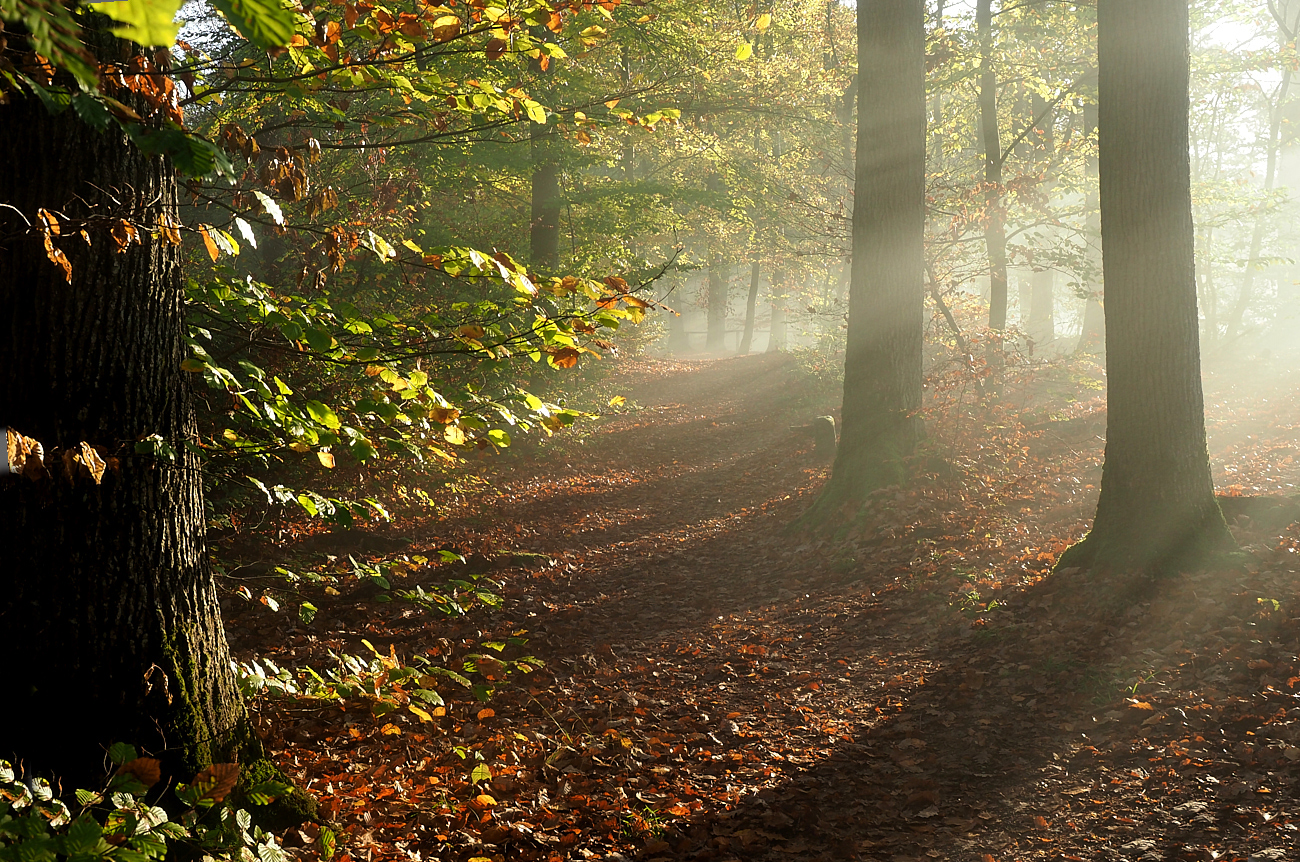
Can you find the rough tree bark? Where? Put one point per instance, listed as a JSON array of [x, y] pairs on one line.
[[1156, 510], [882, 367], [107, 601]]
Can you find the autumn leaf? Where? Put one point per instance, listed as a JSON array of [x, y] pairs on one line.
[[496, 49], [208, 243], [326, 459], [216, 782], [146, 770]]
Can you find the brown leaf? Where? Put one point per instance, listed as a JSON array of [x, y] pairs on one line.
[[216, 782], [147, 770], [496, 49], [91, 460]]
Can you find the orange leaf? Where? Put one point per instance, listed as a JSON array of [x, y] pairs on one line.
[[486, 713], [146, 770], [217, 781]]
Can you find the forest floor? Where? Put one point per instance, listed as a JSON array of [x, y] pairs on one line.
[[914, 686]]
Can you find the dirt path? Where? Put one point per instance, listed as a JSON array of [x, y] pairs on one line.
[[716, 688]]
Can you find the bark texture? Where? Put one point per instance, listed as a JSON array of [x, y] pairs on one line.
[[882, 367], [1156, 509], [107, 602]]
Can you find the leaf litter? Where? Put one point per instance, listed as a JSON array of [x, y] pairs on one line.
[[696, 682]]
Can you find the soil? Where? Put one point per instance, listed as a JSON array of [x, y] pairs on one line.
[[698, 682]]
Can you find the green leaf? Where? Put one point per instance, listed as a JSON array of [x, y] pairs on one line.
[[265, 23], [120, 752], [323, 414], [272, 208], [148, 22], [92, 111], [480, 773], [190, 154], [307, 612], [536, 113]]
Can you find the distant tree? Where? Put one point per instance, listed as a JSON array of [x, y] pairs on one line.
[[1157, 506], [882, 363]]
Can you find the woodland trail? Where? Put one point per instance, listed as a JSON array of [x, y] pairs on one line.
[[716, 688]]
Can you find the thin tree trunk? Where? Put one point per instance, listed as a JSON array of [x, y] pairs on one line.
[[1042, 308], [995, 231], [1157, 508], [716, 329], [882, 366], [1257, 234], [545, 228], [1209, 294], [751, 301], [776, 330], [113, 632], [1092, 335]]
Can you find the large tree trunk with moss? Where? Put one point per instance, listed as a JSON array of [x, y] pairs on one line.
[[1157, 507], [110, 614], [882, 364]]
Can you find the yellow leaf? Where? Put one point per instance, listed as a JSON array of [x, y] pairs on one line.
[[483, 801], [471, 331], [419, 713], [763, 22], [454, 435], [326, 459], [612, 104], [744, 51], [301, 448], [617, 401], [390, 729]]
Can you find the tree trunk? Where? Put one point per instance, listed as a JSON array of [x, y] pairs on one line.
[[544, 231], [1092, 335], [995, 231], [776, 330], [1156, 509], [1209, 294], [1042, 308], [715, 339], [747, 338], [882, 367], [107, 602], [1257, 234]]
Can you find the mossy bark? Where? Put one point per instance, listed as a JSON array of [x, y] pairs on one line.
[[113, 631]]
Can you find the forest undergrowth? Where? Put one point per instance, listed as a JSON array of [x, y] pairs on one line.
[[636, 660]]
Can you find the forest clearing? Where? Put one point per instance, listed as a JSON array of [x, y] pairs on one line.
[[718, 688]]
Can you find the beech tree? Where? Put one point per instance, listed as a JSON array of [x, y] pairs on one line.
[[106, 588], [882, 362], [1156, 508]]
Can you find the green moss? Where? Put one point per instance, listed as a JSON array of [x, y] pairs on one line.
[[285, 812]]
